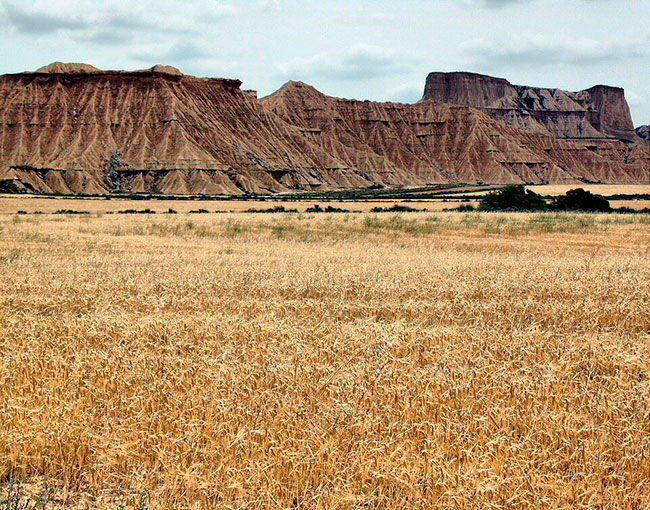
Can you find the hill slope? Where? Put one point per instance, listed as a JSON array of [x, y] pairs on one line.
[[598, 112], [71, 128], [450, 143], [82, 131]]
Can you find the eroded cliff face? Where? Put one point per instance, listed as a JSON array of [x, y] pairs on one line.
[[643, 132], [72, 128], [435, 142], [82, 130], [598, 112]]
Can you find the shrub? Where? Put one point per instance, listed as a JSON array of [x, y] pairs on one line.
[[331, 209], [137, 211], [70, 211], [513, 198], [394, 208], [581, 200], [629, 210], [277, 209], [461, 208]]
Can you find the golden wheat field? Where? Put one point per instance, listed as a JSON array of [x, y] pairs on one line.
[[41, 204], [426, 360]]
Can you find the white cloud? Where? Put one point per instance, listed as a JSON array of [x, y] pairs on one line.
[[634, 99], [500, 4], [214, 12], [383, 17], [357, 62], [269, 5], [179, 52], [522, 50], [406, 93], [41, 20], [154, 16], [107, 37], [492, 4]]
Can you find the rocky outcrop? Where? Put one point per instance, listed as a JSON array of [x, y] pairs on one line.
[[72, 131], [431, 142], [608, 111], [70, 128], [598, 112], [67, 68], [643, 132], [165, 70]]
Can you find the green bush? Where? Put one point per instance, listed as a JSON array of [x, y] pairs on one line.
[[137, 211], [461, 208], [70, 211], [394, 208], [581, 200], [329, 209], [277, 209], [513, 198]]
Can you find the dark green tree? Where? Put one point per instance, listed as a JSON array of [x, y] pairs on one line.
[[581, 200], [513, 198]]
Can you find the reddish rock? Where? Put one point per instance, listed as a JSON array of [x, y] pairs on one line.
[[432, 142], [153, 130], [73, 129], [68, 68], [165, 70], [600, 111], [608, 111]]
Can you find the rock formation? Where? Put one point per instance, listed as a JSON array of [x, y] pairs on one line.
[[63, 67], [72, 128], [434, 142], [159, 68], [643, 132], [69, 130], [598, 112]]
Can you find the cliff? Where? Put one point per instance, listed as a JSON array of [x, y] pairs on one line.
[[598, 112], [72, 128], [435, 142], [80, 130]]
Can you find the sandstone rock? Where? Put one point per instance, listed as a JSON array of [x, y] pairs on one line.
[[608, 111], [166, 70], [94, 133], [74, 129], [598, 112], [68, 68], [432, 142]]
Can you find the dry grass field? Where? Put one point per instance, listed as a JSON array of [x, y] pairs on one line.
[[32, 203], [280, 361], [598, 189]]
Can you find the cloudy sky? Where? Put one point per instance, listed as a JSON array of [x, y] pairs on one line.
[[365, 49]]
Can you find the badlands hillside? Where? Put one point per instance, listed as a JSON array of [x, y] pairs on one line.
[[72, 128], [598, 112]]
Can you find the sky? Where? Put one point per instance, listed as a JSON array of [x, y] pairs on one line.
[[363, 49]]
